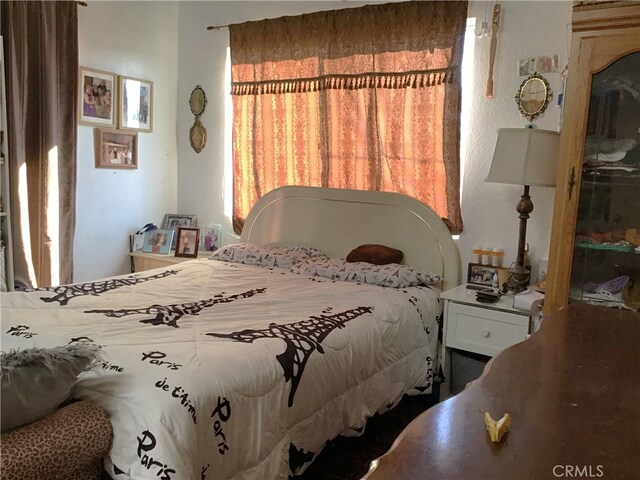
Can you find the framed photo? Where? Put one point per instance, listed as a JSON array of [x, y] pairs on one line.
[[211, 236], [187, 245], [173, 221], [97, 96], [136, 242], [136, 104], [479, 274], [158, 241], [115, 148]]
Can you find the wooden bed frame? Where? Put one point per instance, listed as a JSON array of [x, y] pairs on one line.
[[338, 220]]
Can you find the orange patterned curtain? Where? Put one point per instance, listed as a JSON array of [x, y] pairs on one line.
[[365, 98]]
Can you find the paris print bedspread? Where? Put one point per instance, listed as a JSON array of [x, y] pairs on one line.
[[216, 370]]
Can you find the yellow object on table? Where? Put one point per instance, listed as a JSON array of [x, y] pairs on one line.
[[497, 429]]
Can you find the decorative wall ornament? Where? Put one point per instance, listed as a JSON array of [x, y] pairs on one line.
[[197, 133], [495, 23], [197, 101], [197, 136], [533, 96]]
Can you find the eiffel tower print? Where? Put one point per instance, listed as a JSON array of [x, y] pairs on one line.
[[302, 339], [170, 314], [64, 293]]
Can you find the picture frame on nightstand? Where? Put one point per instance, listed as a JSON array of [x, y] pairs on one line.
[[485, 275]]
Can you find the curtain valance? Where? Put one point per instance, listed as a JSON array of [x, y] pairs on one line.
[[335, 49], [346, 82]]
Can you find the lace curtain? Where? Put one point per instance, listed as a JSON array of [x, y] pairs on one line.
[[364, 98]]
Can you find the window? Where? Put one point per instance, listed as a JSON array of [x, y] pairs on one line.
[[365, 98]]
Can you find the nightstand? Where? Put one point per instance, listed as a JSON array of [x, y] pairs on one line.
[[484, 328], [146, 261]]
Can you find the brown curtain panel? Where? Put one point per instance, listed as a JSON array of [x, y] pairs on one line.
[[364, 98], [41, 57]]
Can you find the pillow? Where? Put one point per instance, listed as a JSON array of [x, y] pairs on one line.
[[266, 255], [390, 275], [376, 254], [35, 381]]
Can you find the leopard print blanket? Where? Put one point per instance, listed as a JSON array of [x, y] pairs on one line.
[[67, 445]]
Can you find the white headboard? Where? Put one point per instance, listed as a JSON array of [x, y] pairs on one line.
[[338, 220]]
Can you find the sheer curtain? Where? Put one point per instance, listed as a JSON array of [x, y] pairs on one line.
[[365, 98], [41, 55]]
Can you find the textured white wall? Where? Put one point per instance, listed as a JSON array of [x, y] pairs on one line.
[[137, 39], [527, 29]]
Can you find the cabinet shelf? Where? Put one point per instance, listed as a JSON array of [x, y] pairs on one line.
[[598, 300], [590, 179], [608, 248]]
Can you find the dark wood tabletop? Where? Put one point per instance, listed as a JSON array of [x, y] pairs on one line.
[[573, 392]]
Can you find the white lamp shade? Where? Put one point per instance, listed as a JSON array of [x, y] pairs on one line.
[[525, 156]]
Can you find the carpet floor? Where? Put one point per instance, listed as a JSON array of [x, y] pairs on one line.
[[348, 458]]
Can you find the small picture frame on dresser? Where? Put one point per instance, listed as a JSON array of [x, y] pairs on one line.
[[174, 221], [211, 236], [479, 274], [188, 239], [158, 241]]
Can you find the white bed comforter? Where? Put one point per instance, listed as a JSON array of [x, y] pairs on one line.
[[215, 370]]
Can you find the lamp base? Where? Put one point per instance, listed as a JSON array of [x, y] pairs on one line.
[[518, 279]]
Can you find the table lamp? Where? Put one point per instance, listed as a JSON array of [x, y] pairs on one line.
[[524, 156]]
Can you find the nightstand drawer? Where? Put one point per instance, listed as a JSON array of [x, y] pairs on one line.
[[482, 330]]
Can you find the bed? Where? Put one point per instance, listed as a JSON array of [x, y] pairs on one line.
[[216, 369]]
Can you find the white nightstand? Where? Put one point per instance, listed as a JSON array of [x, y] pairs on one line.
[[484, 328], [146, 261]]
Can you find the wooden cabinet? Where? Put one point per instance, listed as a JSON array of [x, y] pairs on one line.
[[596, 219]]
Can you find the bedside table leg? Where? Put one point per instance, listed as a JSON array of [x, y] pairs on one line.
[[445, 388], [445, 356]]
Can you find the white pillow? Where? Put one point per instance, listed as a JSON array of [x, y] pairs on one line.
[[282, 256], [389, 275]]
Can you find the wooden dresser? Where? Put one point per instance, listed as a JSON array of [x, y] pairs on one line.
[[573, 392], [146, 261]]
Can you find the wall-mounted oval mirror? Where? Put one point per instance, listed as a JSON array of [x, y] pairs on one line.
[[533, 96], [197, 101]]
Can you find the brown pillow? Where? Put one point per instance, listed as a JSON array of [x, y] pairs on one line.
[[376, 254]]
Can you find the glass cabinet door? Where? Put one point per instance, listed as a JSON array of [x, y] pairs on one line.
[[606, 254]]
